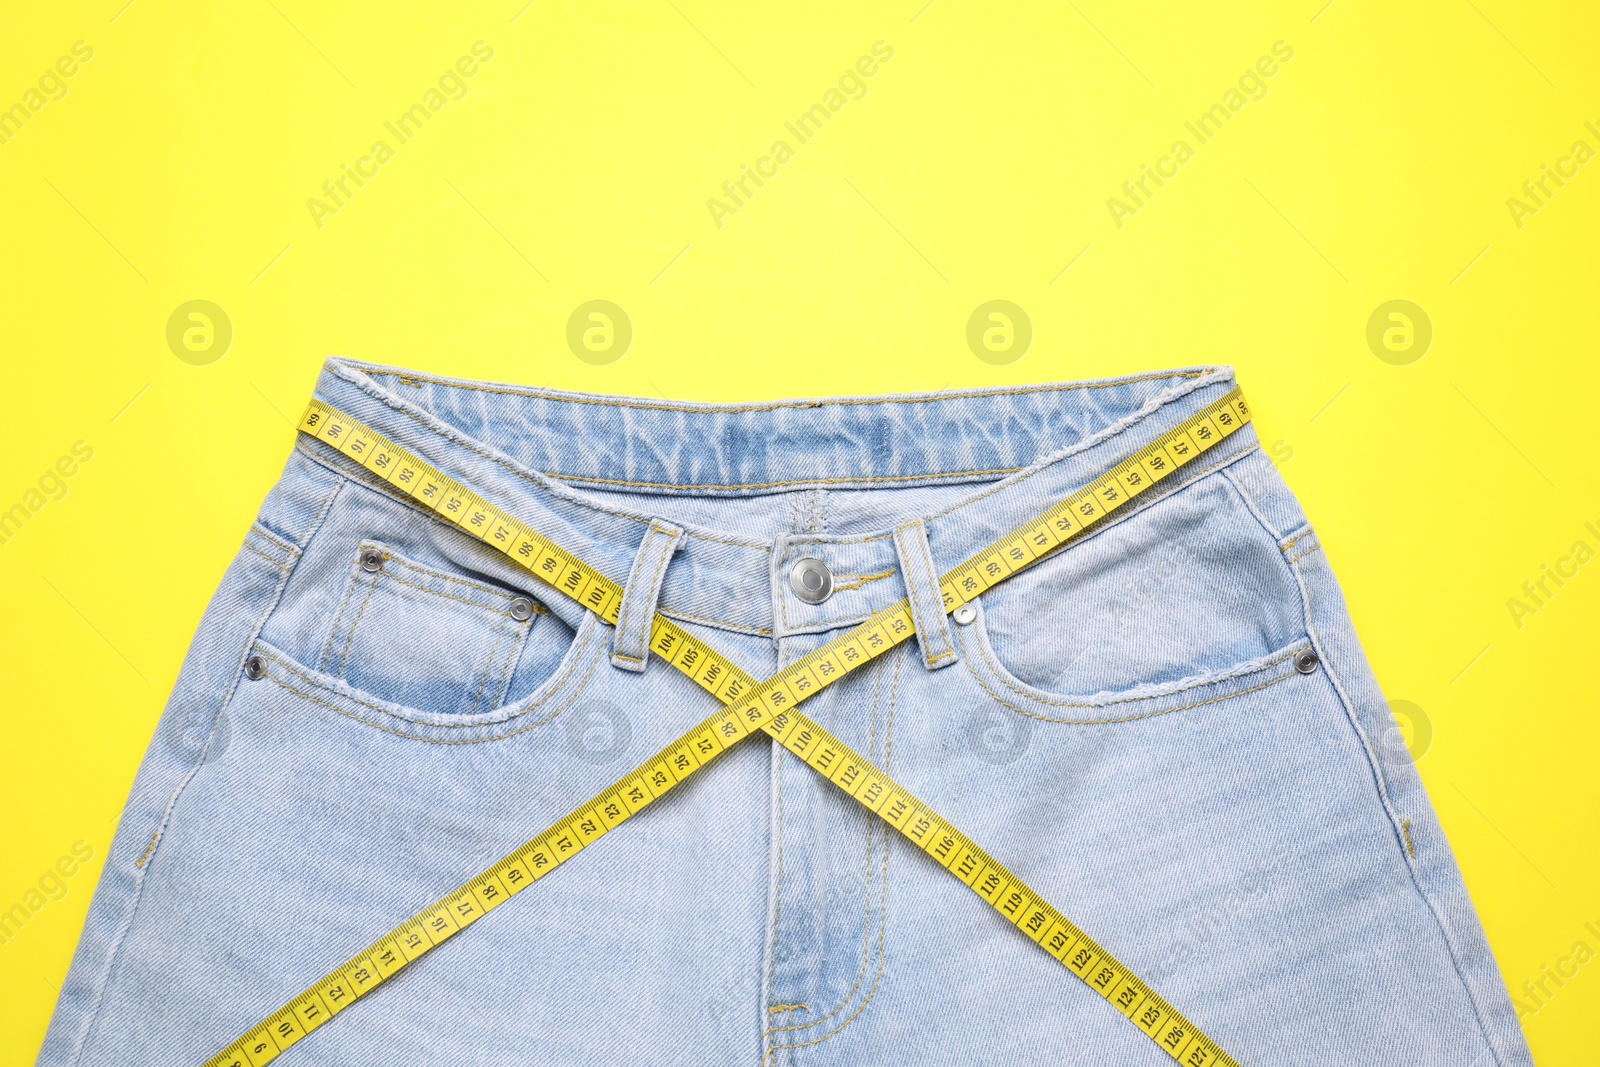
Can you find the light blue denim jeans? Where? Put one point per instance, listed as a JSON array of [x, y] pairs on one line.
[[1124, 725]]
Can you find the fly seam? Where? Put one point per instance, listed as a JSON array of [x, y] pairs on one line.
[[856, 581], [866, 922]]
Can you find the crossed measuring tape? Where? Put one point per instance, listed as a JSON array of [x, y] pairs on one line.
[[749, 706]]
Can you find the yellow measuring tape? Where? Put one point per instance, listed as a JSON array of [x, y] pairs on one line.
[[768, 706]]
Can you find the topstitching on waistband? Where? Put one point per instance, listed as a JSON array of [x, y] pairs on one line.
[[725, 582], [415, 379], [720, 450]]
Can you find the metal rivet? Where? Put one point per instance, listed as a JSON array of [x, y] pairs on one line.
[[255, 668], [371, 559], [522, 609], [965, 615], [811, 580], [1306, 662]]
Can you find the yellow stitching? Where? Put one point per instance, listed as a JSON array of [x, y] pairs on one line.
[[490, 608], [1130, 718], [863, 479], [866, 920], [827, 539], [492, 590], [322, 512], [272, 538], [267, 535], [488, 665], [997, 488], [1072, 455], [916, 606], [655, 587], [282, 566], [1000, 675], [350, 634], [578, 691], [1020, 391], [513, 655], [433, 741], [299, 673], [700, 535], [1302, 555], [539, 609], [1405, 828], [826, 624], [720, 623], [773, 405], [142, 860], [777, 899], [666, 557], [911, 587], [365, 477], [776, 1008], [555, 684], [944, 627], [866, 943], [351, 585], [360, 474], [661, 562], [866, 934], [860, 580], [1097, 530], [877, 980], [1301, 536], [627, 608], [1174, 489]]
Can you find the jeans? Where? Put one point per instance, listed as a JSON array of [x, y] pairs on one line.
[[1133, 725]]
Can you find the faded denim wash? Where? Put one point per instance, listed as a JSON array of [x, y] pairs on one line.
[[1123, 724]]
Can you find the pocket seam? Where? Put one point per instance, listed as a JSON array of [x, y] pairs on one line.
[[278, 563], [998, 673], [1378, 781], [1284, 677], [435, 592], [350, 634], [358, 578], [557, 684], [90, 1019], [412, 565], [511, 657]]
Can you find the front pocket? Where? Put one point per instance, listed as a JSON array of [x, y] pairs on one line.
[[422, 638], [1205, 687], [1189, 585]]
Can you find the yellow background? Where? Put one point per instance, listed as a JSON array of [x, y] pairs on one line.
[[977, 166]]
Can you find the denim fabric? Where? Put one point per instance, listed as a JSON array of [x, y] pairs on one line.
[[1123, 724]]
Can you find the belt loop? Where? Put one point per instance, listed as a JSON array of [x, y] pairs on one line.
[[927, 603], [630, 644]]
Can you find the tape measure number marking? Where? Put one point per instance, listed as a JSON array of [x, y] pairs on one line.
[[769, 706]]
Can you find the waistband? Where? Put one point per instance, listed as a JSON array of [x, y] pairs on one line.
[[993, 458]]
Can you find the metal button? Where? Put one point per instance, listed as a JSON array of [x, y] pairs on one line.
[[1306, 662], [811, 580], [372, 559], [255, 668], [522, 609], [965, 615]]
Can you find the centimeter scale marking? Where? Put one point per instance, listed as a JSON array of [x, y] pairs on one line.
[[768, 706]]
